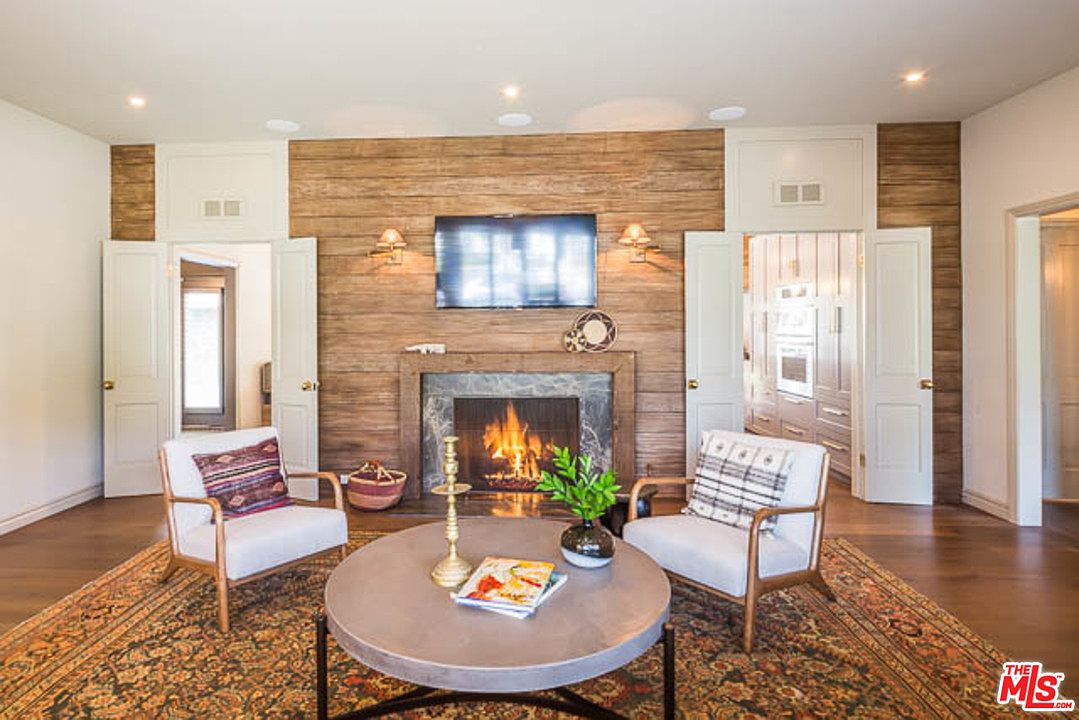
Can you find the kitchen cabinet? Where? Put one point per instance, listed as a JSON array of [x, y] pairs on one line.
[[836, 278]]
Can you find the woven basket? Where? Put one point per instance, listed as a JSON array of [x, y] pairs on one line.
[[374, 487]]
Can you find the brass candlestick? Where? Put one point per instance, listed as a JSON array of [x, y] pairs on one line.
[[453, 569]]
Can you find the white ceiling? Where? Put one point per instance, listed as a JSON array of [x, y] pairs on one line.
[[216, 70]]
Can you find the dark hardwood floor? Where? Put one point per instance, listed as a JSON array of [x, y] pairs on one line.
[[1018, 587]]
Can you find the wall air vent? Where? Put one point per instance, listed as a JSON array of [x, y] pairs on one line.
[[214, 208], [790, 192]]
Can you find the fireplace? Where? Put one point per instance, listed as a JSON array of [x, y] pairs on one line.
[[599, 386], [504, 443]]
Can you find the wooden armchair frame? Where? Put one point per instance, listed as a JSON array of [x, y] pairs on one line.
[[216, 569], [756, 586]]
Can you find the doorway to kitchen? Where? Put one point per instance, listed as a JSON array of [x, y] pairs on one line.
[[800, 339]]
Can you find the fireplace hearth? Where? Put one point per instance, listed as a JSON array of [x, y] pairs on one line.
[[505, 443]]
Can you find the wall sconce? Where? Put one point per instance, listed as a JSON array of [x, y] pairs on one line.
[[635, 237], [390, 246]]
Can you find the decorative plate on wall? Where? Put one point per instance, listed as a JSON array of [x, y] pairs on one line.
[[594, 330]]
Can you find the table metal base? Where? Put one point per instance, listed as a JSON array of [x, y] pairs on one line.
[[560, 699]]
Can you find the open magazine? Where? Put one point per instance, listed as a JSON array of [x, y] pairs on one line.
[[510, 586]]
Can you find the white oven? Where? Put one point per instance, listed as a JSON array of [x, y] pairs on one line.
[[794, 366]]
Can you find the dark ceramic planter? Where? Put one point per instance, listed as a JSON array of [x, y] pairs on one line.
[[587, 545]]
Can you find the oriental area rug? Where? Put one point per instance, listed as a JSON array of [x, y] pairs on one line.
[[125, 646]]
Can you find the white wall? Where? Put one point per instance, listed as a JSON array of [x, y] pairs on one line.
[[54, 212], [1024, 150], [253, 331]]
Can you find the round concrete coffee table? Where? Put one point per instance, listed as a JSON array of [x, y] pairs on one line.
[[383, 609]]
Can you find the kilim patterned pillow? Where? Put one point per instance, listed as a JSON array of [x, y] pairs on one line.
[[245, 481], [735, 479]]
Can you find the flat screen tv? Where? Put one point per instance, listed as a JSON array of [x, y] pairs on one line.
[[515, 262]]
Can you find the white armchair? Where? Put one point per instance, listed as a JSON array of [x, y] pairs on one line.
[[741, 565], [246, 548]]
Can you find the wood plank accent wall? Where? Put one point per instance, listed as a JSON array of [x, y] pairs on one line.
[[346, 192], [132, 192], [918, 185]]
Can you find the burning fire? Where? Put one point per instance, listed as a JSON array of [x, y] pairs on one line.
[[507, 439]]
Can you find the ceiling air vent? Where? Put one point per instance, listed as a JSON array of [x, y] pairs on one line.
[[219, 208], [788, 192]]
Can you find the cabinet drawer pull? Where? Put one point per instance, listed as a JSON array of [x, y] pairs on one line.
[[795, 431], [765, 418], [792, 401], [833, 411], [834, 446]]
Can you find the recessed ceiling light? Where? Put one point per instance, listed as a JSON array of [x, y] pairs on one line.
[[511, 92], [136, 101], [914, 77], [514, 119], [282, 126], [729, 112]]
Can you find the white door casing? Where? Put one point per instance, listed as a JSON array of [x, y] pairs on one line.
[[714, 366], [136, 364], [898, 366], [295, 357]]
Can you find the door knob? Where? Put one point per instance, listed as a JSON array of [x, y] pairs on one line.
[[108, 385], [692, 384], [307, 386], [926, 384]]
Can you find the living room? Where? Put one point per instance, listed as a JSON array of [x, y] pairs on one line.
[[500, 315]]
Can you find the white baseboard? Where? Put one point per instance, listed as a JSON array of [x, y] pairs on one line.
[[987, 505], [43, 511]]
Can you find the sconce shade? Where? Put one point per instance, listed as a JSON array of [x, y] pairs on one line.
[[635, 236], [391, 240]]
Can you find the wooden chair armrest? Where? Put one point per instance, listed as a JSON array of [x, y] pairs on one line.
[[214, 503], [635, 493], [767, 512], [335, 485]]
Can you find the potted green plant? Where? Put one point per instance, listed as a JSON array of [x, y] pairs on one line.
[[588, 493]]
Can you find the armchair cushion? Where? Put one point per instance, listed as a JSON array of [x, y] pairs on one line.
[[245, 480], [735, 479], [258, 542], [712, 553]]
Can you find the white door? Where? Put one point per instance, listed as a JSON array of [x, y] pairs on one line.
[[899, 366], [1060, 364], [295, 357], [136, 364], [714, 395]]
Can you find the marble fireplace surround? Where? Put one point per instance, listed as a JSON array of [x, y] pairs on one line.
[[620, 366]]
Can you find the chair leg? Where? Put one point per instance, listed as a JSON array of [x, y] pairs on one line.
[[343, 551], [223, 603], [750, 616], [170, 567], [817, 581]]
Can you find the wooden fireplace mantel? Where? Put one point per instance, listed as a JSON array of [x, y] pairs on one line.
[[621, 366]]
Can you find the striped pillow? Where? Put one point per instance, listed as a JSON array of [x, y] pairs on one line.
[[245, 481], [735, 479]]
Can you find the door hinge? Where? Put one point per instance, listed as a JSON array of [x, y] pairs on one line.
[[861, 260], [861, 459]]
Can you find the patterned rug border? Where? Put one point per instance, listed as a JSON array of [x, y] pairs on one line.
[[924, 601]]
